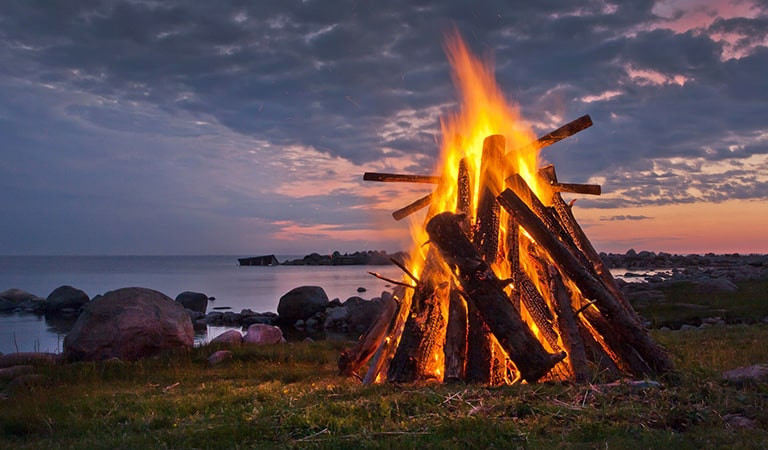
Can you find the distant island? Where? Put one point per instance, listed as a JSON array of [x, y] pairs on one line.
[[361, 258]]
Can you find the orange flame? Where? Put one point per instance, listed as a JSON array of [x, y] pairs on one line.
[[484, 111]]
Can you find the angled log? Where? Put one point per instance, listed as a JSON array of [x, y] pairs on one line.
[[400, 178], [386, 351], [567, 130], [513, 256], [572, 227], [483, 290], [352, 359], [406, 211], [569, 329], [589, 286], [546, 215], [456, 337], [464, 195], [537, 308], [589, 189]]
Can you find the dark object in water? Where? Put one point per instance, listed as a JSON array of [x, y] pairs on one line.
[[265, 260]]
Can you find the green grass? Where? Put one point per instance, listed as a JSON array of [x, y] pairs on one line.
[[685, 304], [290, 396]]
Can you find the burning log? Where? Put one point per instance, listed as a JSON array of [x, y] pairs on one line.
[[569, 265], [400, 178], [484, 354], [456, 337], [419, 356], [352, 359], [589, 189], [482, 289], [569, 329], [569, 223], [406, 211], [569, 129], [385, 352]]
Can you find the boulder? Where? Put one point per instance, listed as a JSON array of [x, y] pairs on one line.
[[193, 300], [65, 298], [17, 299], [362, 314], [219, 357], [301, 303], [261, 334], [129, 324], [229, 337]]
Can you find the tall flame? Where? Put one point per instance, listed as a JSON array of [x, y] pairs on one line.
[[484, 111]]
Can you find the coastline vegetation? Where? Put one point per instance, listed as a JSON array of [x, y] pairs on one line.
[[290, 396]]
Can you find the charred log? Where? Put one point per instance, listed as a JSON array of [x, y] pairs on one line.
[[400, 178], [456, 337], [589, 286], [352, 359], [482, 289]]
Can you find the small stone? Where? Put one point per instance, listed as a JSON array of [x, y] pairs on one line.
[[308, 339], [739, 421], [687, 327], [754, 373], [705, 325], [219, 357], [361, 289], [665, 329], [299, 325]]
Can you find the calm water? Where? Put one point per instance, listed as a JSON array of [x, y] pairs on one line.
[[255, 288]]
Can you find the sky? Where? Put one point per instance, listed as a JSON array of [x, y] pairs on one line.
[[244, 127]]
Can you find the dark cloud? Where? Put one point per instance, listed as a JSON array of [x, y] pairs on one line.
[[173, 103]]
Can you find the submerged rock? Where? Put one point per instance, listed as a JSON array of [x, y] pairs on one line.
[[195, 301], [65, 300]]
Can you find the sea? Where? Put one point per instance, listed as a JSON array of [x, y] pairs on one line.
[[248, 287]]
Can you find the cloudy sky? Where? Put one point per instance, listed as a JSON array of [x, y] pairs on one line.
[[244, 127]]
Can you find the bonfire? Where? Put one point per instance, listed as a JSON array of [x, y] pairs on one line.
[[502, 284]]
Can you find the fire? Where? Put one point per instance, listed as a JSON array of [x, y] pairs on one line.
[[484, 111]]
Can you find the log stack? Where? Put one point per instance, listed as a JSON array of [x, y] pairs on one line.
[[495, 304]]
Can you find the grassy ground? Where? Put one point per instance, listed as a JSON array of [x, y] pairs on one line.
[[290, 396], [686, 304]]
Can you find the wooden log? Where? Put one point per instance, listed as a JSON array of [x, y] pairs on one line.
[[625, 355], [400, 178], [484, 355], [486, 237], [456, 337], [385, 352], [419, 355], [537, 308], [513, 256], [406, 211], [571, 225], [483, 290], [590, 189], [352, 359], [589, 286], [568, 326], [464, 195], [557, 135], [546, 215]]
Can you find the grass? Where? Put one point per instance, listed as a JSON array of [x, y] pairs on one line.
[[685, 304], [289, 396]]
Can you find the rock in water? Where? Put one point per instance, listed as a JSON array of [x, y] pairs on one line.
[[128, 324], [301, 303], [65, 298], [263, 335], [193, 300]]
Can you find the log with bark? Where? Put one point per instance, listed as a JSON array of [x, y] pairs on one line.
[[587, 284], [352, 359], [386, 351], [400, 178], [483, 289], [485, 359], [557, 135]]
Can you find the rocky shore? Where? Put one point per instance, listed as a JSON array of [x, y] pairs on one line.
[[370, 258]]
